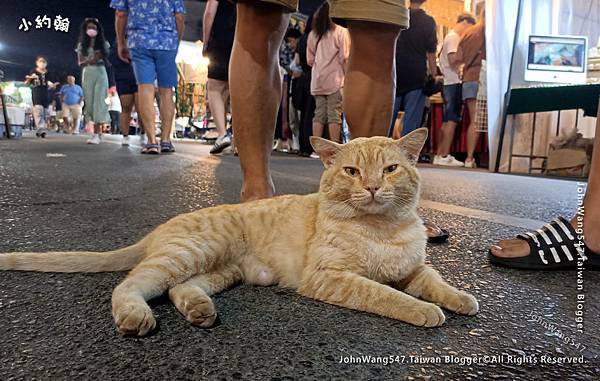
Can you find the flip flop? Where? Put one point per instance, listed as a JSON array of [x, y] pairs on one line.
[[151, 149], [555, 246], [439, 238]]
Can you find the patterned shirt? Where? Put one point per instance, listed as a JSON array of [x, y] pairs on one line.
[[151, 23]]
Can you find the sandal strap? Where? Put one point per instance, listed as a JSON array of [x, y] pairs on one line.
[[555, 242]]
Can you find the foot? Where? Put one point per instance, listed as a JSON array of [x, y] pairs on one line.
[[515, 248], [194, 304], [166, 147], [257, 191], [125, 141], [94, 140], [221, 143], [435, 234], [447, 161], [462, 303], [134, 319], [425, 314], [470, 163]]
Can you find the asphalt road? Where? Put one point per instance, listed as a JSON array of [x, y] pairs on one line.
[[59, 326]]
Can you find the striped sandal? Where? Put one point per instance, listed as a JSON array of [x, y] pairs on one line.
[[555, 246]]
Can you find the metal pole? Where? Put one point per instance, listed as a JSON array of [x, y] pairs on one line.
[[507, 95]]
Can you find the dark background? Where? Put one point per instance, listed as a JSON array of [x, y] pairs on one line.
[[18, 49]]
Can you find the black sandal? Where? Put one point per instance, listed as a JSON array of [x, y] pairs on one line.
[[442, 237], [553, 247]]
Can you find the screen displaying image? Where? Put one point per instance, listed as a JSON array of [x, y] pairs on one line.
[[557, 54]]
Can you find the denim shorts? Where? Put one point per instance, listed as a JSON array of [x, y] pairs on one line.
[[150, 65], [452, 103], [469, 90]]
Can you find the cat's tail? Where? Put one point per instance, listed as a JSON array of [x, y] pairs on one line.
[[75, 261]]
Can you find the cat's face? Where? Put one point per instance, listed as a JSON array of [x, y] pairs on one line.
[[371, 175]]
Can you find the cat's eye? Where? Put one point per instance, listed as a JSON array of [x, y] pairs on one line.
[[352, 171], [390, 168]]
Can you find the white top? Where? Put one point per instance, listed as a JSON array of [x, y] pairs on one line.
[[450, 46]]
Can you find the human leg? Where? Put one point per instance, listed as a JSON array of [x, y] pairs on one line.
[[255, 85], [516, 248], [370, 84]]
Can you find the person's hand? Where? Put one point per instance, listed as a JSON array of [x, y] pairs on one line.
[[123, 53]]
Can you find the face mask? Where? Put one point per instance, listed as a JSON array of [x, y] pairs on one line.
[[92, 32]]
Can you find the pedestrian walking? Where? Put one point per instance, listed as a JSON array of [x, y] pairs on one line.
[[72, 99], [153, 29], [92, 53]]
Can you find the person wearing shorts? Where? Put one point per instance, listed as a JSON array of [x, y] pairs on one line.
[[255, 82], [219, 29], [72, 97], [154, 29], [471, 52], [127, 90], [452, 92], [328, 50]]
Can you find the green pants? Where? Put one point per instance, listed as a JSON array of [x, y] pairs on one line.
[[95, 91]]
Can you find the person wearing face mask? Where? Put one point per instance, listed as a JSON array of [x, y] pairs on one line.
[[39, 79], [92, 54]]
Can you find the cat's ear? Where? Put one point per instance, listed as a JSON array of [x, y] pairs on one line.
[[325, 148], [413, 143]]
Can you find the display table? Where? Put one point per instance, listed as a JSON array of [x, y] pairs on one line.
[[544, 99]]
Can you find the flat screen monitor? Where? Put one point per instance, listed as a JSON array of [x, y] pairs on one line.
[[557, 59]]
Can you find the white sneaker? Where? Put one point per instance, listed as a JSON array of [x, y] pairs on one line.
[[448, 161], [94, 140], [470, 164], [125, 141], [314, 156]]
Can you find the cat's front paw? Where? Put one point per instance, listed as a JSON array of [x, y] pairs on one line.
[[134, 319], [426, 315], [462, 303]]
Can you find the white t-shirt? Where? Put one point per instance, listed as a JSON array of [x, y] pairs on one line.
[[450, 46]]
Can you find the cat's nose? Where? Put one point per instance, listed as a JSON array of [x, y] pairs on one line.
[[373, 190]]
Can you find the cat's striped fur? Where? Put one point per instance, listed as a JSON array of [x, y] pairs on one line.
[[357, 243]]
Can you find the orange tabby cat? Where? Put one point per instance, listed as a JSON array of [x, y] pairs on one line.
[[357, 243]]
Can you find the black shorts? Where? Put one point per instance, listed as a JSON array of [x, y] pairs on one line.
[[218, 66], [126, 85]]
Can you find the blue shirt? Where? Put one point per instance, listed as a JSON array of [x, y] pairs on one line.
[[151, 23], [72, 94]]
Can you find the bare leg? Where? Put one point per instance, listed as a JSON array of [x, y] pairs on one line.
[[447, 132], [127, 102], [167, 112], [218, 93], [335, 132], [370, 84], [473, 135], [512, 248], [192, 297], [146, 111], [317, 129], [255, 86]]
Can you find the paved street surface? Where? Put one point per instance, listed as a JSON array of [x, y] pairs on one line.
[[59, 326]]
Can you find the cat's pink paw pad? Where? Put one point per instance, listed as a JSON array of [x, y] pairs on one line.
[[134, 319]]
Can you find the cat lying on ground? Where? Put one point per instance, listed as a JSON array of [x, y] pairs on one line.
[[357, 243]]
